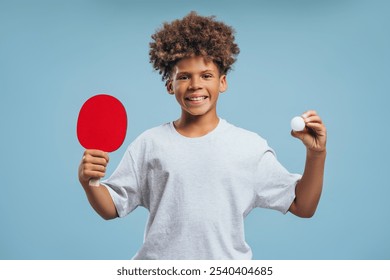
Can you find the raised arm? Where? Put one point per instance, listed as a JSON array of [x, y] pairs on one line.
[[309, 188]]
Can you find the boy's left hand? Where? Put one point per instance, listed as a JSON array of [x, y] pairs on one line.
[[314, 134]]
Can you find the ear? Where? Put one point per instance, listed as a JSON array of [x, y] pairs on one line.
[[223, 83], [169, 86]]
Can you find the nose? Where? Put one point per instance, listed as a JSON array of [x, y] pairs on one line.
[[195, 83]]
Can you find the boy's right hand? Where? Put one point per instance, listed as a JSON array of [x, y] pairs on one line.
[[93, 165]]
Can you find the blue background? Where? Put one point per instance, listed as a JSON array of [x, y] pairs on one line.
[[331, 56]]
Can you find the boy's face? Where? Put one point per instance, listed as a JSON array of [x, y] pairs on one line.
[[196, 84]]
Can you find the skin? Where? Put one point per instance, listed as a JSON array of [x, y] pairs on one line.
[[93, 165], [195, 77], [196, 85], [309, 188]]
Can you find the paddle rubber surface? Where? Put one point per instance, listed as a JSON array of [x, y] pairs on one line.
[[102, 123]]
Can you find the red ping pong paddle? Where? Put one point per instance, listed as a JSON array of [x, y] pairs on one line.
[[101, 125]]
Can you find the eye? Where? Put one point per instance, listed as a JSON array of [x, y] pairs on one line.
[[207, 76], [183, 77]]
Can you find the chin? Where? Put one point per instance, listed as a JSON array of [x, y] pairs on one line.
[[197, 113]]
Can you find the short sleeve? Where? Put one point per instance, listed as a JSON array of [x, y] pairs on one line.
[[123, 185], [275, 186]]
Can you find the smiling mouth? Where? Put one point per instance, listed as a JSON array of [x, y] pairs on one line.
[[198, 98]]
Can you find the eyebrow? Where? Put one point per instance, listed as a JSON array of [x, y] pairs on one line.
[[189, 73]]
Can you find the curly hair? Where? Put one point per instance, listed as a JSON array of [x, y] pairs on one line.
[[190, 36]]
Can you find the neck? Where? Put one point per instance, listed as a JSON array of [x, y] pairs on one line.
[[196, 126]]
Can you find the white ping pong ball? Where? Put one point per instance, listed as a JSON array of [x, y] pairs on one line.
[[297, 124]]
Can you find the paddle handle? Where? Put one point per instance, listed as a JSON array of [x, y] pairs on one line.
[[94, 182]]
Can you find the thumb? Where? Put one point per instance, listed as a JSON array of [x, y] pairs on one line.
[[298, 134]]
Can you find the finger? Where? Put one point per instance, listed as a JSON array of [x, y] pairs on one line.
[[316, 126], [91, 170], [313, 119], [97, 153], [95, 167], [93, 160], [309, 113], [93, 174], [298, 134], [88, 158]]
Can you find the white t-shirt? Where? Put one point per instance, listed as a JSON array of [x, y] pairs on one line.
[[199, 190]]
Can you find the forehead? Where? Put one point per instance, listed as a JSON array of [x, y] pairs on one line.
[[194, 64]]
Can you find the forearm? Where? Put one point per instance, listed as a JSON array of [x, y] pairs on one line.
[[101, 201], [93, 165], [309, 188]]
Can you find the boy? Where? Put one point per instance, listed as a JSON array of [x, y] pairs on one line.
[[199, 176]]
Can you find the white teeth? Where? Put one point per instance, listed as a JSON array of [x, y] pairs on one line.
[[196, 98]]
